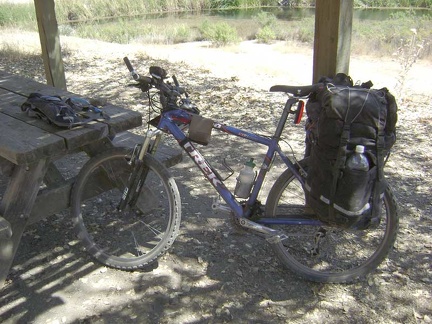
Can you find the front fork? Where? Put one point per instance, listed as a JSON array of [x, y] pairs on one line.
[[148, 146], [139, 171]]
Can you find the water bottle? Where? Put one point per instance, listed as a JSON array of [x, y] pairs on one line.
[[245, 180], [358, 160]]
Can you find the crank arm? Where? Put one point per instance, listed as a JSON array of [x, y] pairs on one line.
[[271, 235]]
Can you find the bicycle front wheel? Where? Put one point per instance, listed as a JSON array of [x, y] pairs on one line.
[[326, 253], [139, 234]]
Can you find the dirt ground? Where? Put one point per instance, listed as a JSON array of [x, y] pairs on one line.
[[213, 274]]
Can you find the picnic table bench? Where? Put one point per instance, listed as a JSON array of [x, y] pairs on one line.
[[29, 147]]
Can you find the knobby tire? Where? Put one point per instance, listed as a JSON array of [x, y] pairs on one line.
[[136, 236], [343, 255]]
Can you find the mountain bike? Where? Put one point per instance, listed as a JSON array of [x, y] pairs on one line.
[[127, 210]]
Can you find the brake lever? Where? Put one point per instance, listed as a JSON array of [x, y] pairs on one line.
[[144, 87], [179, 89], [176, 81]]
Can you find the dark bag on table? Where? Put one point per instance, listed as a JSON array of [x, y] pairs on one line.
[[63, 113]]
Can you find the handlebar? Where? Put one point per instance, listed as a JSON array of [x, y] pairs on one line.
[[128, 64], [134, 74], [170, 95], [156, 80]]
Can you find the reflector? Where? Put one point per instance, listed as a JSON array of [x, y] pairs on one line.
[[299, 112]]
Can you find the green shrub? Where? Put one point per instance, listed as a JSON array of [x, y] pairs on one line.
[[224, 3], [269, 23], [393, 3], [266, 19], [265, 35], [297, 30], [18, 15], [384, 37], [219, 34], [181, 34], [120, 31]]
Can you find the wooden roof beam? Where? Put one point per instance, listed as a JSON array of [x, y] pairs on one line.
[[50, 43]]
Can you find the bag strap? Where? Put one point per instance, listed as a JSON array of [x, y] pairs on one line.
[[380, 183], [350, 116]]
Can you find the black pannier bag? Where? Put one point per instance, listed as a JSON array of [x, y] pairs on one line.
[[340, 117]]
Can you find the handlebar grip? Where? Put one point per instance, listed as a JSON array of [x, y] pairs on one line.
[[128, 64], [135, 75], [175, 81]]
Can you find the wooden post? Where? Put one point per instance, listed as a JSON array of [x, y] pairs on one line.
[[50, 43], [332, 45]]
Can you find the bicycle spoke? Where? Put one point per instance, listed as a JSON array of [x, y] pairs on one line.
[[132, 237], [325, 253]]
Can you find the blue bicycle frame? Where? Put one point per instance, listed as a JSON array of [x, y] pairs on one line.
[[169, 122]]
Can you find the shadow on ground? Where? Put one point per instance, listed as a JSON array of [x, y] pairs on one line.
[[213, 274]]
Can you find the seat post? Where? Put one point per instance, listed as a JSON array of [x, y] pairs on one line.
[[284, 116]]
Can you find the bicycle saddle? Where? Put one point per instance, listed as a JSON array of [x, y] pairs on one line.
[[298, 91]]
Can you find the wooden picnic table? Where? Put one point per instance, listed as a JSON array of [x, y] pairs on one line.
[[28, 149]]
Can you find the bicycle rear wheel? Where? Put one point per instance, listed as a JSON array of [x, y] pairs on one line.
[[326, 253], [135, 236]]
